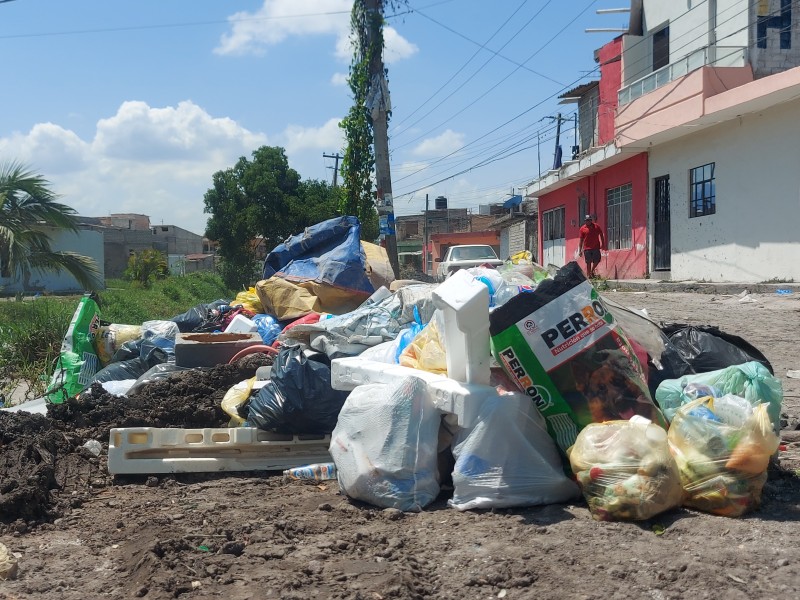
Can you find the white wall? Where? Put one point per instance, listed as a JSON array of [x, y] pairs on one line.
[[755, 233], [85, 242], [690, 25]]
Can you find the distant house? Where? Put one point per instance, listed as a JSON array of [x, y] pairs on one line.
[[126, 234], [689, 146]]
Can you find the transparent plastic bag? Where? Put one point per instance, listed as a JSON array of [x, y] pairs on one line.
[[426, 351], [722, 448], [385, 445], [625, 470]]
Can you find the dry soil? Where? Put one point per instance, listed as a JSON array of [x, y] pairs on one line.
[[79, 533]]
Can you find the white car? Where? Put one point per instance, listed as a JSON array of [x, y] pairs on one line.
[[466, 257]]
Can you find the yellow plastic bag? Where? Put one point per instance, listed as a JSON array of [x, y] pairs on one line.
[[249, 301], [110, 337], [234, 398], [722, 447], [625, 470], [426, 351]]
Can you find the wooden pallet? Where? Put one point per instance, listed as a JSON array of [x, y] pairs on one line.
[[146, 450]]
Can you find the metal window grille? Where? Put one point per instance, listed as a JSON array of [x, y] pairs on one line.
[[619, 230], [702, 191]]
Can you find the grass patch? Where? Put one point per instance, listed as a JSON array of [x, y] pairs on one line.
[[31, 332]]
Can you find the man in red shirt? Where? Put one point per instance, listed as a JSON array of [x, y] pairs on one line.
[[592, 241]]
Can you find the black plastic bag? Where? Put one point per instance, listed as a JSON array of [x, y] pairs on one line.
[[194, 317], [707, 348], [150, 355], [298, 398]]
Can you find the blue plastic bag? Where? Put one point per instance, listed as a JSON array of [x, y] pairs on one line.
[[407, 335], [268, 328]]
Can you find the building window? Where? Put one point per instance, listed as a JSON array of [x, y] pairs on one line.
[[661, 48], [619, 217], [553, 224], [583, 208], [702, 191]]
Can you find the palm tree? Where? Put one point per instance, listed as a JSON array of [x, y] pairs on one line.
[[27, 208]]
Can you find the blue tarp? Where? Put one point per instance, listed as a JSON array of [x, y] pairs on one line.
[[328, 252], [513, 202]]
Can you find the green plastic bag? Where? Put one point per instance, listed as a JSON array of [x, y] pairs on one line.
[[78, 362], [752, 381]]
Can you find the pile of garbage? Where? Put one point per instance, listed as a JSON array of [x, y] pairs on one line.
[[514, 385]]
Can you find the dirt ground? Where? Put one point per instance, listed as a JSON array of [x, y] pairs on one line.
[[79, 533]]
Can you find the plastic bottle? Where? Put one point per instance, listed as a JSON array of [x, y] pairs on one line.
[[316, 472]]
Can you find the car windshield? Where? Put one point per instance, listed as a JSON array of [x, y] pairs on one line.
[[473, 253]]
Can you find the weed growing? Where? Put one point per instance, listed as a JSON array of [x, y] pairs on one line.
[[31, 331]]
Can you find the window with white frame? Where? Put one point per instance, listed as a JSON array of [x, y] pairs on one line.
[[702, 191], [618, 216]]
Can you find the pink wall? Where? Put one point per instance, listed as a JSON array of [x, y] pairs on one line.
[[610, 82], [440, 242], [615, 264]]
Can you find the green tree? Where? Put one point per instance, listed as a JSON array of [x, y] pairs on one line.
[[146, 266], [263, 197], [27, 208]]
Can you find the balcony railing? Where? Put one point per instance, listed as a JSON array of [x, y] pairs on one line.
[[716, 56]]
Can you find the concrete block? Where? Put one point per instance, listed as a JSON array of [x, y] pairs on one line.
[[209, 349]]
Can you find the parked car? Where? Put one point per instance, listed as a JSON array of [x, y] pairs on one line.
[[465, 257]]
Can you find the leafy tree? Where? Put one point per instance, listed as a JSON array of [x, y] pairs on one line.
[[27, 208], [146, 266], [262, 197]]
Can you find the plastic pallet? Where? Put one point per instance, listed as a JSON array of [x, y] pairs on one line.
[[147, 450]]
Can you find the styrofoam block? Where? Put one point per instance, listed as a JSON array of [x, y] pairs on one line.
[[145, 450], [464, 302], [449, 396], [241, 324], [348, 373]]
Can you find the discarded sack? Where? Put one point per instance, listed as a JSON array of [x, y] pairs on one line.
[[722, 447], [197, 315], [507, 459], [625, 470], [707, 348], [111, 336], [77, 363], [752, 381], [298, 398], [385, 444], [563, 348]]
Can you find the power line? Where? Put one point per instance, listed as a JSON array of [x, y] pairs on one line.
[[547, 43], [469, 60]]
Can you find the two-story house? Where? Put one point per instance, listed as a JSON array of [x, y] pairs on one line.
[[694, 147]]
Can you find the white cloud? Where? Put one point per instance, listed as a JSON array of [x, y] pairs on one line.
[[339, 79], [278, 20], [396, 47], [441, 145], [328, 137], [153, 161]]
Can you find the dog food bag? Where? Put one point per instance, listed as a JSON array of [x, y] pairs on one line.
[[77, 363], [562, 347], [625, 470], [722, 447]]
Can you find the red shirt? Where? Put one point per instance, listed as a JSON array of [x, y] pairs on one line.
[[592, 237]]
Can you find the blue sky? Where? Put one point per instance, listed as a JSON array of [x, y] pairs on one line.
[[133, 106]]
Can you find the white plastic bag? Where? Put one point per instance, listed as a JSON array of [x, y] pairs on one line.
[[508, 459], [385, 445]]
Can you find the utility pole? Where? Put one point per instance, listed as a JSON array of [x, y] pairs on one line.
[[378, 97], [336, 168], [425, 239], [557, 156]]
